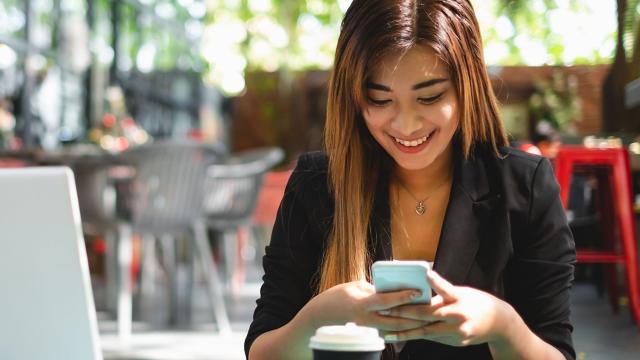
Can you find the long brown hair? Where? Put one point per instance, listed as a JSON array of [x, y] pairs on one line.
[[370, 30]]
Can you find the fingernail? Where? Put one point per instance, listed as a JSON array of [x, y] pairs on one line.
[[415, 294], [384, 312], [391, 337]]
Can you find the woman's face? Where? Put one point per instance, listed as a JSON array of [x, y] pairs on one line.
[[411, 107]]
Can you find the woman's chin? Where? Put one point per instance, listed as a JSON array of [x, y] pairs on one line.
[[419, 163]]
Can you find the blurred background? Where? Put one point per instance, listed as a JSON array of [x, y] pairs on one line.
[[240, 86]]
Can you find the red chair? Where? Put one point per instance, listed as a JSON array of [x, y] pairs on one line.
[[270, 196], [611, 167]]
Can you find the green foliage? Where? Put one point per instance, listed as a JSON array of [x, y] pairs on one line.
[[531, 19], [299, 35], [631, 36], [8, 7], [141, 25], [556, 102]]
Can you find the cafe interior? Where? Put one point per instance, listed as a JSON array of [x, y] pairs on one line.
[[182, 121]]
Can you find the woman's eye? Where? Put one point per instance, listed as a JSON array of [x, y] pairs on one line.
[[375, 102], [430, 100]]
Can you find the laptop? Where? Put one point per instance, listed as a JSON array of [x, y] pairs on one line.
[[46, 303]]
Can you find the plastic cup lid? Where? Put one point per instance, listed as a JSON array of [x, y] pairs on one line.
[[349, 337]]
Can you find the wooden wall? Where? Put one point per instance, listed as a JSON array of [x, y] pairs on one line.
[[514, 84]]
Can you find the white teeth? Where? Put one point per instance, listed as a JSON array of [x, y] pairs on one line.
[[413, 142]]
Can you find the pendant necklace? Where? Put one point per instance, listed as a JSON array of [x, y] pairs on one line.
[[421, 208]]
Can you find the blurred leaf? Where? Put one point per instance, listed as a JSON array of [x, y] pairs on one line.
[[535, 24]]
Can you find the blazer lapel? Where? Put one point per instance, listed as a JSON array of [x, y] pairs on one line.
[[469, 202]]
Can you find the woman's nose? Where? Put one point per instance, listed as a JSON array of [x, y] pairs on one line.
[[407, 121]]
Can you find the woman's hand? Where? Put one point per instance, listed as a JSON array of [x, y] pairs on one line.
[[351, 302], [358, 302], [457, 316]]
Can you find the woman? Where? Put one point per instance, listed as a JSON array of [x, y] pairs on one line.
[[417, 167]]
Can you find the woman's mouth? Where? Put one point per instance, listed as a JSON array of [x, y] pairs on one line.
[[414, 145]]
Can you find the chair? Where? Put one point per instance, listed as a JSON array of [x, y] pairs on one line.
[[97, 196], [270, 196], [611, 166], [231, 193], [269, 199], [167, 203]]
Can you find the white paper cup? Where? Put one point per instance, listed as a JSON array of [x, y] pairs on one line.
[[346, 342]]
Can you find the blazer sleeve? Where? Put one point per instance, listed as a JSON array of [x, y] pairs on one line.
[[291, 258], [541, 272]]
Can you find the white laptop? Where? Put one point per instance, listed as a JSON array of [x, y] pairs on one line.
[[46, 304]]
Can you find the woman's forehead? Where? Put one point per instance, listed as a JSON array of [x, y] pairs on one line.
[[418, 62]]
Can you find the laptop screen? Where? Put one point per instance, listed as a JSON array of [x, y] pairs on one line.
[[46, 308]]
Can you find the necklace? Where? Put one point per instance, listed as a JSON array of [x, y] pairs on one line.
[[421, 208]]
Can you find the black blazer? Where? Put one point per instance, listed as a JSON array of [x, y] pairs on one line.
[[504, 232]]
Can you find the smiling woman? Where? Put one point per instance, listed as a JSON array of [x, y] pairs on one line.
[[416, 167], [412, 105]]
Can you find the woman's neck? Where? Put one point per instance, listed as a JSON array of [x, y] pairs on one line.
[[424, 180]]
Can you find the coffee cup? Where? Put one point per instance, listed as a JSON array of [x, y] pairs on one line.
[[346, 342]]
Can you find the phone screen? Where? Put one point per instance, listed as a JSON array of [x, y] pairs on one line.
[[402, 275]]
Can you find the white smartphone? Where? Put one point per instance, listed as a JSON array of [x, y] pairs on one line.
[[402, 275]]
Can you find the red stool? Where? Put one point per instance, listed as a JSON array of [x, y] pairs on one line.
[[611, 166]]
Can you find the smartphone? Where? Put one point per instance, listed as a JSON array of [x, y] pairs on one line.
[[402, 275]]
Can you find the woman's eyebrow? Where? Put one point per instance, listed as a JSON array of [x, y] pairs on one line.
[[428, 83], [424, 84], [375, 86]]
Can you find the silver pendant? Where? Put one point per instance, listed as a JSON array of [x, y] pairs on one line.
[[420, 208]]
